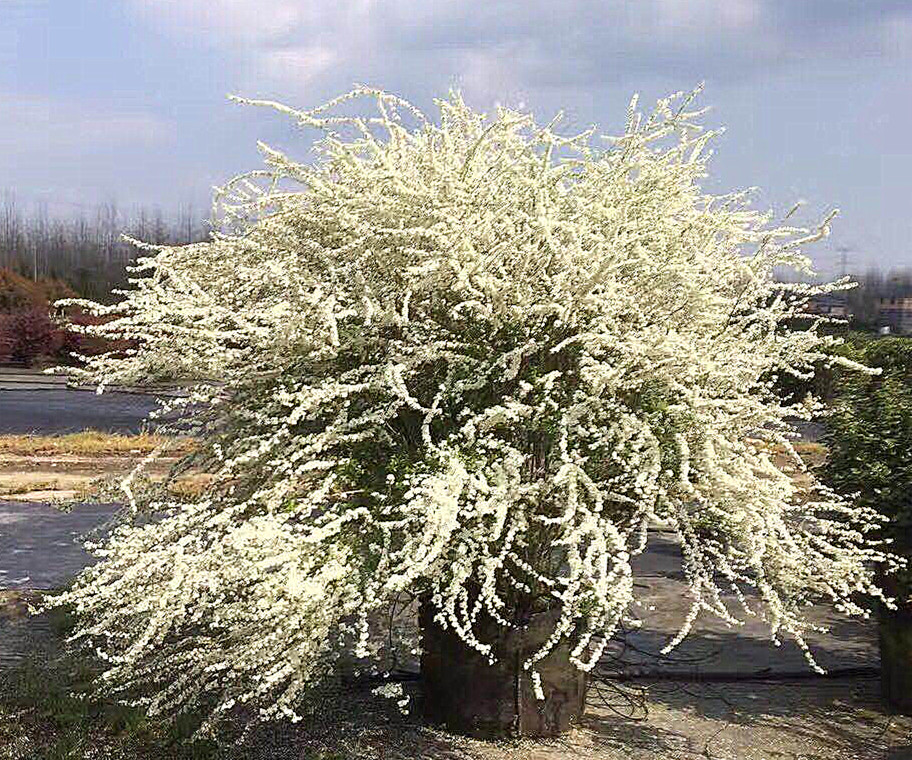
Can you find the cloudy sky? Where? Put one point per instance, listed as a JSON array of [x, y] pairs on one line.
[[126, 99]]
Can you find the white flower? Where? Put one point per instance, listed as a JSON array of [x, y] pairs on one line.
[[389, 690]]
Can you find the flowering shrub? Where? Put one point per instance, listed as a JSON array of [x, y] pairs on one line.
[[472, 361]]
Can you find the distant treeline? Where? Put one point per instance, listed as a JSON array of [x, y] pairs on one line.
[[86, 252]]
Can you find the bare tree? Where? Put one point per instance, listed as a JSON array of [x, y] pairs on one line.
[[87, 251]]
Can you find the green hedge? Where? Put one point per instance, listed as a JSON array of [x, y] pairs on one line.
[[870, 435]]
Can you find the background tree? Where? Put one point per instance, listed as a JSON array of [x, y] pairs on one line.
[[87, 252], [469, 363]]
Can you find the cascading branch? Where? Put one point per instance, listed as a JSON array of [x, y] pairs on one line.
[[472, 362]]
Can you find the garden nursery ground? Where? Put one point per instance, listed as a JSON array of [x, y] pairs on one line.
[[726, 694]]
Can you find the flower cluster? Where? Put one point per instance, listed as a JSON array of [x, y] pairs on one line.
[[470, 361]]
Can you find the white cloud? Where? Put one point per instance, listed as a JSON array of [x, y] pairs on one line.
[[250, 22], [671, 16], [302, 64], [229, 20], [896, 35], [504, 49]]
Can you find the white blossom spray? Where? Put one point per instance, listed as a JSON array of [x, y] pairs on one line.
[[472, 360]]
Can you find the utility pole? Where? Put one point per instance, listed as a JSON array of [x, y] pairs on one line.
[[843, 252]]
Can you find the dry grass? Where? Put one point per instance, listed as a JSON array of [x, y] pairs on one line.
[[89, 443], [811, 452], [43, 486], [14, 604], [23, 487], [20, 485], [190, 486], [810, 448]]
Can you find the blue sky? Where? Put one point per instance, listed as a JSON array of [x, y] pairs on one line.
[[126, 100]]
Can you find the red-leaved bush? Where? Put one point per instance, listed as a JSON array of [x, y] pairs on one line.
[[29, 335], [28, 332]]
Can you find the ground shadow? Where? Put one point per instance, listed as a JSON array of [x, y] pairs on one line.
[[714, 680]]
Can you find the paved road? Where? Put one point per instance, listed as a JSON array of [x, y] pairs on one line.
[[70, 411], [41, 546]]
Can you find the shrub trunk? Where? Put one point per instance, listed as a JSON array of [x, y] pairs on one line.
[[468, 695]]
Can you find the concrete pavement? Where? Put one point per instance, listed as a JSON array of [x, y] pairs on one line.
[[41, 545], [65, 410]]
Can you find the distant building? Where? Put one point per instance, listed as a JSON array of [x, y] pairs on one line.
[[895, 313], [830, 305]]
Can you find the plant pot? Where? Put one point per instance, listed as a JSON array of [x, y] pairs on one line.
[[469, 696], [896, 631], [896, 658]]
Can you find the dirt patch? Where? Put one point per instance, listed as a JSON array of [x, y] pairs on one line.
[[14, 604], [67, 467]]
